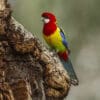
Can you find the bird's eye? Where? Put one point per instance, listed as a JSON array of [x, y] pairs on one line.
[[46, 17]]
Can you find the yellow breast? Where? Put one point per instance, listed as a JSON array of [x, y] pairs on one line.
[[55, 40]]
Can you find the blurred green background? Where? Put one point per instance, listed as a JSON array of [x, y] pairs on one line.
[[80, 20]]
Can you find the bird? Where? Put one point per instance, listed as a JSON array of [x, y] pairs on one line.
[[56, 39]]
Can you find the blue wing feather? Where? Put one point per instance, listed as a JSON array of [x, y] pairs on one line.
[[67, 64], [64, 40]]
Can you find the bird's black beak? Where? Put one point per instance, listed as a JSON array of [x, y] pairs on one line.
[[42, 19]]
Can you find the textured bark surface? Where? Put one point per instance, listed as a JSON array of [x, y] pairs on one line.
[[28, 71]]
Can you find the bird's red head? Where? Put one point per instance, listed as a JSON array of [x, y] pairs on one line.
[[49, 23], [50, 16]]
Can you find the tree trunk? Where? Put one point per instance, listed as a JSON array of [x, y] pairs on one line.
[[28, 71]]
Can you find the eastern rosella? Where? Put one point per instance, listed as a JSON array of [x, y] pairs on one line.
[[55, 38]]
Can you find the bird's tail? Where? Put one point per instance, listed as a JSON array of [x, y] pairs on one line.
[[69, 67]]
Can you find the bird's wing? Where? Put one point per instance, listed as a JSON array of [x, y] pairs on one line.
[[64, 40]]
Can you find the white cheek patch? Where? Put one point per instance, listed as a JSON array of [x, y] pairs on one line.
[[46, 20]]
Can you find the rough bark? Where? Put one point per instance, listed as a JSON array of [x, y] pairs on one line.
[[28, 71]]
